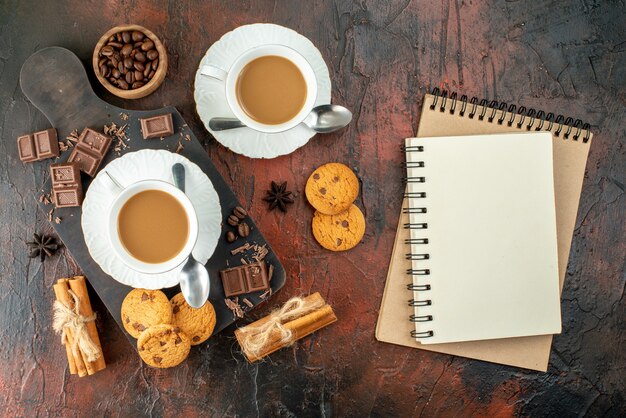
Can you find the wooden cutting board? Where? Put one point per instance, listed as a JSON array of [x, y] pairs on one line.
[[55, 81]]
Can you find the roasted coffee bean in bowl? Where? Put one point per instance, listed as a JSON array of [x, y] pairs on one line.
[[130, 61]]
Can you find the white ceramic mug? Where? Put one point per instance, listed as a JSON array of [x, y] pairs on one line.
[[229, 78], [122, 195]]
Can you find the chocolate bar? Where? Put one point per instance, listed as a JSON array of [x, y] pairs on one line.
[[38, 146], [90, 150], [157, 126], [245, 279], [67, 189]]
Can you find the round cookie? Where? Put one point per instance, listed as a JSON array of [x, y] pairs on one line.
[[339, 232], [332, 188], [143, 308], [198, 324], [163, 346]]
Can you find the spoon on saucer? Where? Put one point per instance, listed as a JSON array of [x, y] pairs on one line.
[[194, 277], [322, 119]]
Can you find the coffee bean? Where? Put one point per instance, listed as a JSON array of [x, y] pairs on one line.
[[137, 36], [146, 71], [152, 54], [115, 73], [115, 45], [151, 74], [139, 66], [240, 212], [112, 80], [130, 77], [230, 236], [137, 84], [103, 61], [126, 37], [140, 56], [155, 64], [133, 53], [114, 61], [126, 49], [104, 70], [128, 62], [107, 51], [233, 220], [118, 37], [243, 230], [147, 45], [122, 84], [138, 76], [111, 38], [137, 44]]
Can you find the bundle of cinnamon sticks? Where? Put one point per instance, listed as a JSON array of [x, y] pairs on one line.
[[76, 323], [298, 318]]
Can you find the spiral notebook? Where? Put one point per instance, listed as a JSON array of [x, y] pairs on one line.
[[482, 240], [450, 115]]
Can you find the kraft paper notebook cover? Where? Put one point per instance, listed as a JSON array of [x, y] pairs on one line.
[[482, 237], [451, 116]]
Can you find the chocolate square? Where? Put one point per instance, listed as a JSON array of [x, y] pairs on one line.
[[26, 148], [256, 277], [46, 144], [157, 126], [233, 282], [95, 140], [68, 196], [64, 173], [87, 162]]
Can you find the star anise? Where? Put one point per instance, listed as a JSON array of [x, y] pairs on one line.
[[278, 196], [42, 246]]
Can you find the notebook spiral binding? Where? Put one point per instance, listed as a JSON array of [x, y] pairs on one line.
[[528, 118], [417, 241]]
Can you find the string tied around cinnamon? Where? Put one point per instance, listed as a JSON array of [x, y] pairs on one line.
[[257, 337], [66, 318]]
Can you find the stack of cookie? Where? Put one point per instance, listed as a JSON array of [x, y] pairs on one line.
[[165, 329], [338, 224]]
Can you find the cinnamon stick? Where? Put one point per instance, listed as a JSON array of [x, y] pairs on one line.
[[300, 327], [76, 363], [79, 287]]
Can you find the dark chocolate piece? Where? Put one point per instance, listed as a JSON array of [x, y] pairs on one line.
[[46, 144], [67, 189], [157, 126], [90, 150], [244, 279], [67, 196], [95, 141], [26, 148], [87, 162]]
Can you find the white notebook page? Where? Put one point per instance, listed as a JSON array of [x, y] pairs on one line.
[[492, 250]]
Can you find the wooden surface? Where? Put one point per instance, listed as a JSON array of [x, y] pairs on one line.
[[383, 56], [71, 105]]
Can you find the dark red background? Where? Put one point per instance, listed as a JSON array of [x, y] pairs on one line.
[[567, 57]]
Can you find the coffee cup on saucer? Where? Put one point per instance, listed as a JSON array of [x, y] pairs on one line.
[[153, 226], [270, 88]]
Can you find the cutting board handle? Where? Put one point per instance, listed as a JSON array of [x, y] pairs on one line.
[[55, 81]]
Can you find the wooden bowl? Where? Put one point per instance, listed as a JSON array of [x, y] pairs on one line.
[[147, 88]]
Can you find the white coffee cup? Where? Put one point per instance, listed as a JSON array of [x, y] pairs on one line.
[[122, 195], [229, 78]]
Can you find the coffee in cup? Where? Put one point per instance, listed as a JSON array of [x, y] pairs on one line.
[[270, 88], [153, 226]]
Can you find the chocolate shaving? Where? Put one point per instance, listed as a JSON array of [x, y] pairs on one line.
[[247, 302], [270, 273], [58, 220], [179, 148], [233, 305], [124, 116], [72, 137], [241, 249]]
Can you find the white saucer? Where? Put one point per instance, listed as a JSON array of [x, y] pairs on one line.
[[210, 96], [137, 166]]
